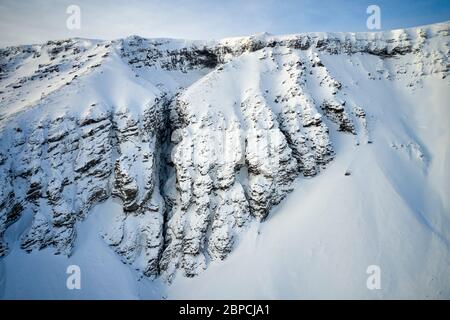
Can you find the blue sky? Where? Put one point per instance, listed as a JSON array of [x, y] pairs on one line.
[[35, 21]]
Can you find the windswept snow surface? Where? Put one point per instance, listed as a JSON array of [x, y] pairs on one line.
[[382, 201]]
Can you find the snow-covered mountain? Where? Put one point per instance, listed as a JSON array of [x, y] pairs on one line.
[[293, 159]]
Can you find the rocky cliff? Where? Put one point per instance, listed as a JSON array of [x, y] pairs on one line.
[[196, 139]]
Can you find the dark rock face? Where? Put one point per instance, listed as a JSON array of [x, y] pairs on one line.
[[141, 53], [336, 113], [192, 168]]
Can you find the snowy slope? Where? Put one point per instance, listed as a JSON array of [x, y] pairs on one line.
[[42, 275], [392, 211], [258, 167]]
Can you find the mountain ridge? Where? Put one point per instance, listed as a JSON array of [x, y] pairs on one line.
[[196, 138]]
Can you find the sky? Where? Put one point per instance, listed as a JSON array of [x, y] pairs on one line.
[[36, 21]]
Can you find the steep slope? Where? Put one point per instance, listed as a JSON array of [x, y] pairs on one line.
[[383, 204], [96, 137], [198, 141]]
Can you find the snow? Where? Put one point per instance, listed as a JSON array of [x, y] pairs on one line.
[[383, 203], [42, 275], [391, 211], [319, 241]]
